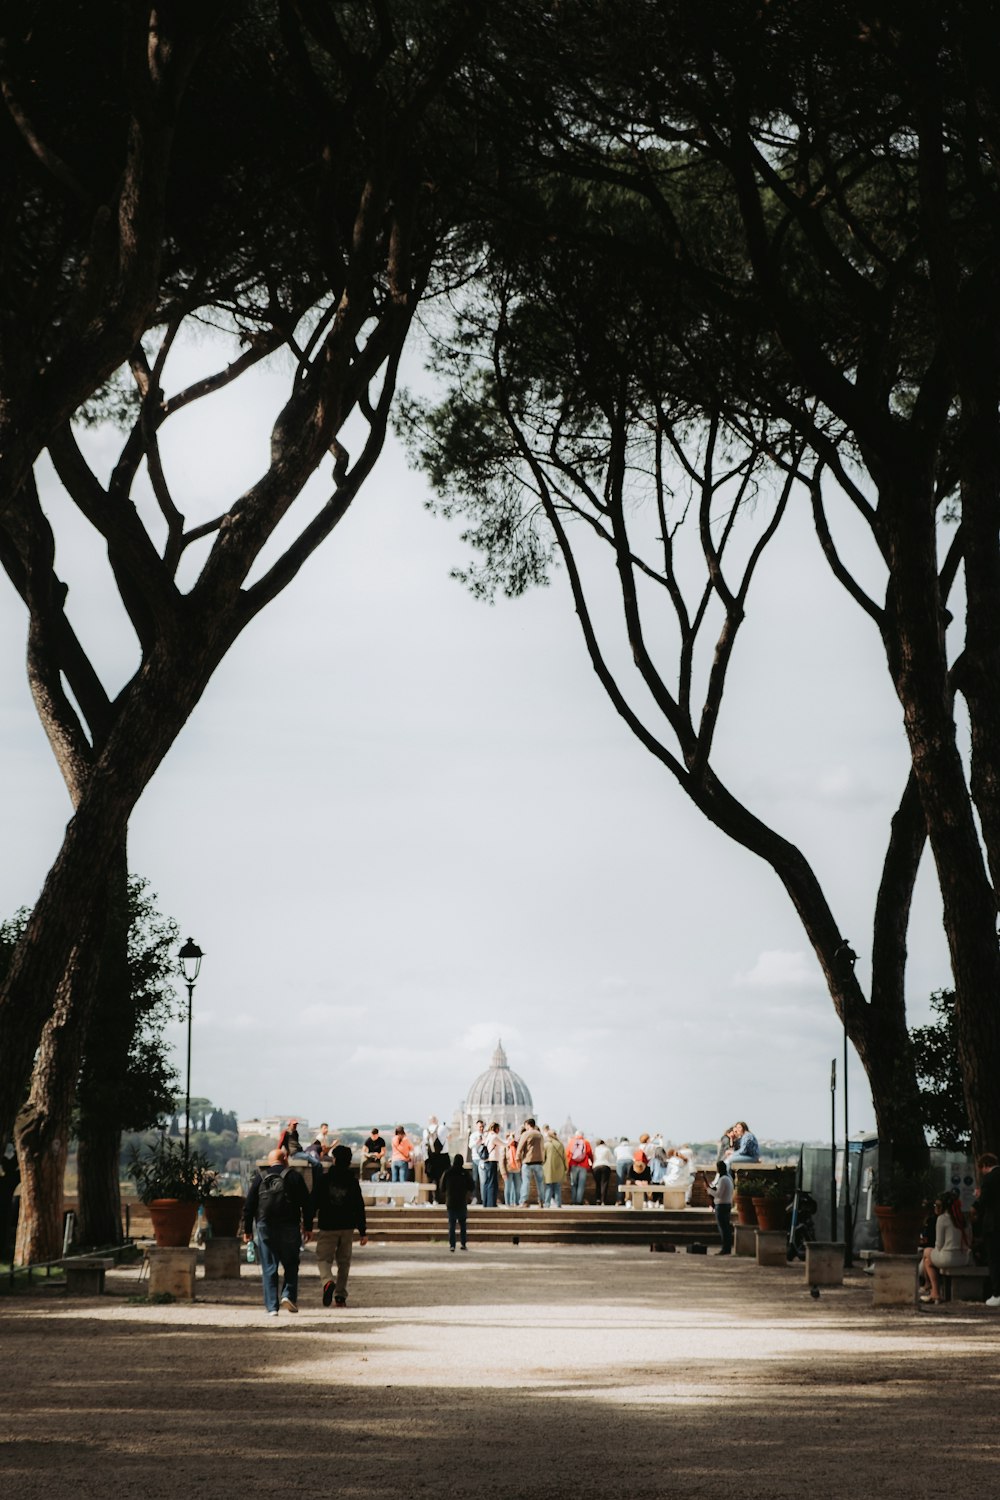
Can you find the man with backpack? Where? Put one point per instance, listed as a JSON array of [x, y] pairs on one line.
[[580, 1156], [279, 1204], [340, 1210]]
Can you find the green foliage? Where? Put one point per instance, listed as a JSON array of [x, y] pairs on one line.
[[935, 1050], [140, 1095], [161, 1170], [903, 1189], [753, 1186]]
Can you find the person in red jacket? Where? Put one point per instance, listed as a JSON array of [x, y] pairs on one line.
[[580, 1156]]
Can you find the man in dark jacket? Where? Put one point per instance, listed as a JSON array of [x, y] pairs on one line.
[[281, 1206], [340, 1210], [457, 1188]]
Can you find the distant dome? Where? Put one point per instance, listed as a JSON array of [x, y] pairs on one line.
[[498, 1094]]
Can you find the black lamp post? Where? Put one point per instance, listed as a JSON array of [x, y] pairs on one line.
[[190, 958], [845, 958]]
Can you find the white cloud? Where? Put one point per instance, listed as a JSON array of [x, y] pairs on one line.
[[780, 969]]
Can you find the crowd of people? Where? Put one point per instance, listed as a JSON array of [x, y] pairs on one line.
[[281, 1208]]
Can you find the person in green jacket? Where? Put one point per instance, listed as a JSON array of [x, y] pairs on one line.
[[553, 1169]]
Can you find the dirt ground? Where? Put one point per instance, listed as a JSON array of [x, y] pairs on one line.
[[510, 1373]]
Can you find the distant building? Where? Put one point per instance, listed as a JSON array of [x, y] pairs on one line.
[[498, 1094], [273, 1125]]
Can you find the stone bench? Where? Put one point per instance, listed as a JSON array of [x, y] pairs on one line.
[[964, 1283], [772, 1247], [824, 1263], [894, 1279], [638, 1192], [85, 1274]]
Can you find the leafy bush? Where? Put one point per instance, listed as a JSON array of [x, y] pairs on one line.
[[163, 1171]]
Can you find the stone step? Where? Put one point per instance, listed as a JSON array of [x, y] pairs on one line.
[[547, 1226]]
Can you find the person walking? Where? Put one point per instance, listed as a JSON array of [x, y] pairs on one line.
[[456, 1187], [721, 1192], [530, 1155], [553, 1169], [278, 1214], [339, 1210], [580, 1158]]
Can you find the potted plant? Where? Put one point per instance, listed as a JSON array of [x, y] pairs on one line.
[[900, 1208], [771, 1204], [224, 1213], [171, 1182], [747, 1188]]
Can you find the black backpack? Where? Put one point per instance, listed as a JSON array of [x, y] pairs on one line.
[[273, 1205]]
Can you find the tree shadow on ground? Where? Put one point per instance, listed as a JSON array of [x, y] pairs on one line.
[[667, 1401]]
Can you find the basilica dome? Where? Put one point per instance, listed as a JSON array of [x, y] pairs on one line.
[[498, 1094]]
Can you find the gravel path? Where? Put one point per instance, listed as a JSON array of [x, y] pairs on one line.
[[510, 1373]]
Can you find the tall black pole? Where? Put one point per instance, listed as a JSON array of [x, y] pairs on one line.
[[833, 1146], [187, 1096], [848, 1215], [189, 962]]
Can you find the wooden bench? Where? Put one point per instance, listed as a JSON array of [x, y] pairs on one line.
[[964, 1283], [85, 1274]]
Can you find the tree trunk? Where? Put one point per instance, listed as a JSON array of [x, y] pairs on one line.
[[914, 637], [109, 1035], [69, 916], [100, 1216], [42, 1129]]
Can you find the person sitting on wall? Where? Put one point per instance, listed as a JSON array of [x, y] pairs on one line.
[[745, 1147]]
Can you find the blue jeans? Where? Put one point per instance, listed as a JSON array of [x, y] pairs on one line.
[[457, 1219], [512, 1189], [553, 1194], [531, 1169], [577, 1183], [490, 1177], [399, 1171], [279, 1244]]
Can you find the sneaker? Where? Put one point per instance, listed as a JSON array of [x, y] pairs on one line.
[[273, 1314], [289, 1305], [465, 1247], [452, 1249], [340, 1301], [993, 1302], [327, 1293]]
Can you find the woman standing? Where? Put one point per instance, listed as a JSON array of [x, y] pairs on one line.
[[491, 1166], [721, 1191]]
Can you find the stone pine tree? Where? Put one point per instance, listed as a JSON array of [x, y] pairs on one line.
[[293, 174], [824, 196]]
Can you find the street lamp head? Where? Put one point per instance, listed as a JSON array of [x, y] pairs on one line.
[[190, 957]]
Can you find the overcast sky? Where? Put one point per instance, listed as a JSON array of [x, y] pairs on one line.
[[402, 824]]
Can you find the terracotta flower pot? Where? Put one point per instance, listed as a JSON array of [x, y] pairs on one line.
[[173, 1221], [770, 1213], [745, 1211], [899, 1228], [224, 1215]]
